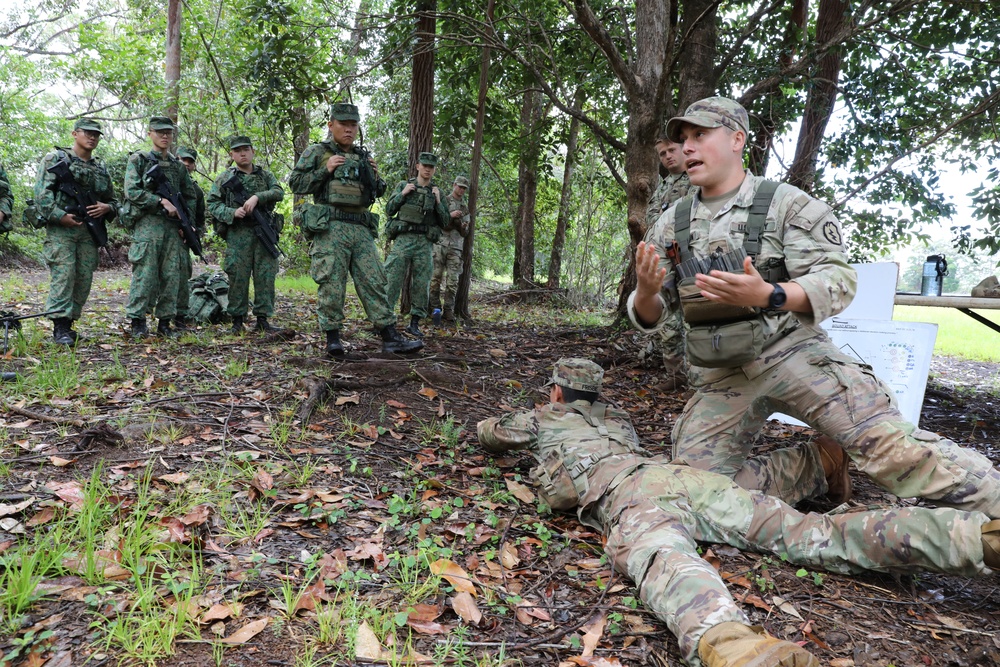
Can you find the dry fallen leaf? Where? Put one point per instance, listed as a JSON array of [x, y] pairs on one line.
[[508, 556], [786, 607], [466, 608], [454, 575], [592, 632], [174, 478], [366, 644], [497, 353], [520, 491], [428, 393], [7, 510], [353, 399], [247, 632], [60, 462]]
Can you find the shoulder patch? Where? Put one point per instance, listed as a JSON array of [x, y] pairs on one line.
[[831, 232]]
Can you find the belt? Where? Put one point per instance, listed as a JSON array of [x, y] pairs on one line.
[[414, 229], [347, 216]]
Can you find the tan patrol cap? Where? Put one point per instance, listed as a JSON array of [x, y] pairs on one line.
[[578, 374]]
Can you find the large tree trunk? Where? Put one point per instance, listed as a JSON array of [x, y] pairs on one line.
[[833, 16], [532, 112], [465, 282], [699, 52], [172, 65], [562, 220]]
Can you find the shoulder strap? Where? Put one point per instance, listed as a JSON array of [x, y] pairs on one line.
[[758, 216], [682, 226]]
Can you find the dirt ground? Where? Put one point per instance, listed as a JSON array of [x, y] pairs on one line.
[[394, 471]]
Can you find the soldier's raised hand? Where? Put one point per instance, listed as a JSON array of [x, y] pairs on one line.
[[408, 188], [68, 220], [334, 162]]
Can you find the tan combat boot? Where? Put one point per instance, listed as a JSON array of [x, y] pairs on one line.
[[835, 466], [991, 544], [737, 645]]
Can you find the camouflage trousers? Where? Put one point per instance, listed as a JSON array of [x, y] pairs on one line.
[[348, 249], [155, 256], [654, 518], [184, 284], [446, 259], [71, 256], [672, 340], [838, 396], [409, 250], [246, 257]]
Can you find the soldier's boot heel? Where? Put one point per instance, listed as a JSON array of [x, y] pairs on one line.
[[139, 328], [60, 331], [836, 468], [72, 333], [180, 323], [264, 326], [237, 328], [164, 330], [413, 329], [991, 544], [396, 344], [334, 348], [736, 645], [449, 315]]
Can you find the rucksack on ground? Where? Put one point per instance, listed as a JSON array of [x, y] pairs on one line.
[[209, 297]]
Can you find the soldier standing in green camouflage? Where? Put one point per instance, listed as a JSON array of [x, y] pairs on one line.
[[344, 182], [157, 242], [189, 157], [70, 251], [654, 512], [448, 250], [670, 189], [774, 356], [246, 255], [6, 202], [416, 217]]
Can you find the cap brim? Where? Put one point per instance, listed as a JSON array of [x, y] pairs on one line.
[[674, 125]]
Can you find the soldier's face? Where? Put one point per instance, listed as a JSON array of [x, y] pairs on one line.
[[161, 138], [189, 163], [242, 156], [86, 139], [344, 131], [713, 157], [425, 171], [670, 156], [458, 191]]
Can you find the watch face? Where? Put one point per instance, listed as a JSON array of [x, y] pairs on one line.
[[778, 297]]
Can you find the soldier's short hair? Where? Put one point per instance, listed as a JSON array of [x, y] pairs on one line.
[[711, 112]]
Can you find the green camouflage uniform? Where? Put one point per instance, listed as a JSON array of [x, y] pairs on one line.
[[156, 244], [70, 252], [6, 202], [654, 513], [417, 216], [187, 268], [245, 253], [448, 255], [802, 373], [341, 236]]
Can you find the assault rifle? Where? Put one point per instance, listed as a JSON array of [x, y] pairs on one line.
[[9, 321], [167, 191], [264, 229], [66, 183]]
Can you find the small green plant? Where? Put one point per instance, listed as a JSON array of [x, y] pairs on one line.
[[817, 577], [236, 368]]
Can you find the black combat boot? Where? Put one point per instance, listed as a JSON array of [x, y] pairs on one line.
[[264, 326], [448, 315], [393, 342], [413, 330], [237, 328], [60, 331], [334, 348], [72, 333], [180, 323], [163, 329], [139, 329]]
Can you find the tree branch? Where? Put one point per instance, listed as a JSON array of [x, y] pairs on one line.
[[592, 25]]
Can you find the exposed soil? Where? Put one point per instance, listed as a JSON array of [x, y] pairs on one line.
[[371, 427]]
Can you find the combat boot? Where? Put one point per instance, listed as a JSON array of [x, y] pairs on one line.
[[448, 315], [413, 329], [393, 342], [836, 468], [334, 348], [73, 334], [139, 329], [60, 331], [180, 323], [991, 544], [163, 329], [736, 645], [237, 328], [264, 326]]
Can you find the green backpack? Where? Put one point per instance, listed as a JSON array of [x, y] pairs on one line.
[[209, 297]]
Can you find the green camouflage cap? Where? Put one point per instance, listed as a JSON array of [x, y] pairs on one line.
[[462, 181], [344, 111], [239, 141], [579, 374], [711, 112], [88, 124], [189, 153], [428, 158], [161, 123]]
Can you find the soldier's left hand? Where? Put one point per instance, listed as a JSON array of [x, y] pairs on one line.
[[3, 216], [437, 194], [371, 161], [735, 289], [250, 204], [98, 210], [240, 213], [456, 214]]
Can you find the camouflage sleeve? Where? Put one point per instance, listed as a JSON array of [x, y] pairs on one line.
[[274, 193], [199, 210], [309, 173], [45, 196], [661, 235], [188, 192], [135, 185], [815, 258], [513, 431], [216, 203], [443, 215], [395, 201], [6, 194], [653, 210], [108, 197]]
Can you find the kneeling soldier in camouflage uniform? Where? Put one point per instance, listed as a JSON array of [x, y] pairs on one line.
[[246, 254], [653, 512], [448, 250], [344, 183], [189, 157], [70, 250], [416, 217]]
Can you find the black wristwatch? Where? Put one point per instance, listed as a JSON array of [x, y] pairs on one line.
[[777, 298]]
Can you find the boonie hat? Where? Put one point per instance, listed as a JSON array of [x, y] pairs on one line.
[[579, 374], [88, 124], [711, 112], [239, 141], [462, 181], [428, 158], [344, 111], [161, 123], [189, 153]]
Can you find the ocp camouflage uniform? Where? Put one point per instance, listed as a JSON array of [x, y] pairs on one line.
[[187, 268], [419, 220], [654, 512], [341, 234], [6, 202], [448, 256], [671, 189], [245, 253], [70, 252], [801, 372], [156, 244]]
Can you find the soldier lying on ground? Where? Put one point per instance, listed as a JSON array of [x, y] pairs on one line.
[[653, 513]]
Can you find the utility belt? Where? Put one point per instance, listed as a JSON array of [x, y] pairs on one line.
[[348, 216], [413, 229]]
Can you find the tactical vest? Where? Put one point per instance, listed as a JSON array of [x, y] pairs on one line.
[[343, 188], [417, 205], [89, 176]]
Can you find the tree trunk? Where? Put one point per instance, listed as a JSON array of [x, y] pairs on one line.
[[172, 66], [699, 52], [833, 16], [464, 284], [562, 220], [532, 111]]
